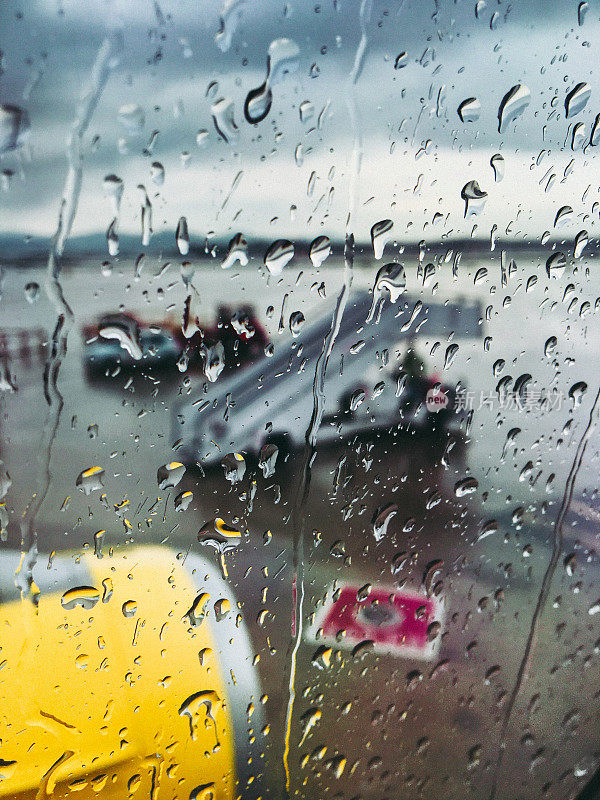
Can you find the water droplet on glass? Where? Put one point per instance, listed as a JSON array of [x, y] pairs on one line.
[[267, 459], [14, 127], [594, 609], [556, 265], [83, 596], [183, 500], [90, 480], [563, 216], [231, 14], [202, 137], [236, 251], [582, 10], [466, 486], [258, 103], [576, 100], [513, 104], [401, 60], [320, 249], [169, 475], [451, 352], [126, 331], [474, 198], [296, 322], [550, 346], [32, 291], [234, 466], [222, 537], [157, 173], [306, 111], [577, 391], [497, 164], [390, 283], [282, 59], [223, 119], [182, 237], [308, 720], [380, 236], [214, 360], [278, 255], [113, 189], [129, 608], [382, 518], [581, 241], [469, 110], [595, 134], [578, 137], [322, 657], [112, 238]]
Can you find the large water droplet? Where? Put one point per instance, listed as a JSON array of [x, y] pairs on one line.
[[595, 134], [381, 519], [577, 391], [258, 103], [550, 346], [320, 249], [113, 189], [267, 459], [236, 251], [278, 255], [556, 265], [469, 110], [216, 533], [90, 480], [466, 486], [231, 14], [451, 352], [380, 236], [390, 282], [222, 114], [282, 59], [112, 238], [214, 360], [183, 500], [474, 198], [581, 241], [32, 291], [563, 216], [169, 475], [514, 102], [234, 466], [157, 173], [296, 323], [576, 100], [126, 331], [497, 164], [83, 596], [182, 236]]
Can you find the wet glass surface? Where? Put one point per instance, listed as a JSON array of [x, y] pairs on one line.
[[299, 400]]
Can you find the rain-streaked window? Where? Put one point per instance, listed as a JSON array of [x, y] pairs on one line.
[[299, 399]]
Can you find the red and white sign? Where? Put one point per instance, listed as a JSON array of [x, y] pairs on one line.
[[397, 622]]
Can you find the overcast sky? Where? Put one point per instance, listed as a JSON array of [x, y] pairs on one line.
[[417, 153]]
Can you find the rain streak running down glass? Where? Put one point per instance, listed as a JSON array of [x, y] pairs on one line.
[[299, 400]]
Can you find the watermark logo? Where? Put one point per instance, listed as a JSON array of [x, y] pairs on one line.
[[436, 400]]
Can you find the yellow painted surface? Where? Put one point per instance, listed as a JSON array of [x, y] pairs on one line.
[[90, 698]]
